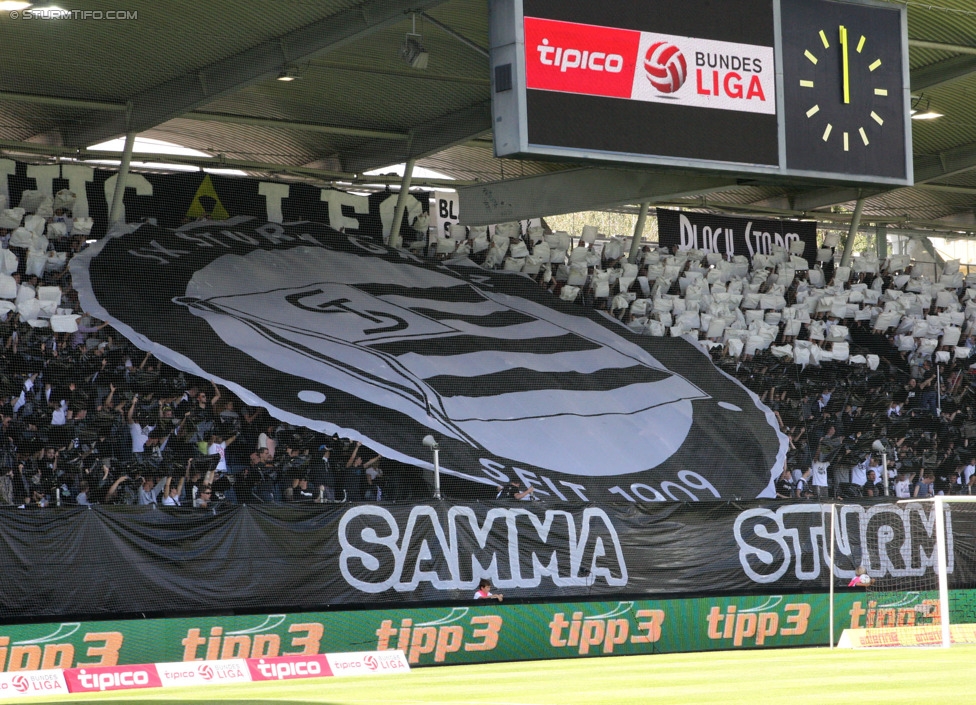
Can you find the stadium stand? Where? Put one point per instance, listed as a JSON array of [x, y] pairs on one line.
[[842, 356]]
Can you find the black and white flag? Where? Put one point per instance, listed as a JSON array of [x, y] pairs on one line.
[[344, 335]]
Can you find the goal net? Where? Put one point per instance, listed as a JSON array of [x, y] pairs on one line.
[[909, 583]]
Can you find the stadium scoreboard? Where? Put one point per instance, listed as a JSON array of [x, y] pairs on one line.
[[809, 88]]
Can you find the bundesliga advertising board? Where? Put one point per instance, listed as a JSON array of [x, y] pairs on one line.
[[801, 87]]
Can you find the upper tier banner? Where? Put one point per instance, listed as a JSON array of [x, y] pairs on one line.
[[173, 199], [730, 236], [341, 334]]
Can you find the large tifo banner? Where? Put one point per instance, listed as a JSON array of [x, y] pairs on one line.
[[730, 236], [258, 557], [343, 335], [170, 199], [197, 651]]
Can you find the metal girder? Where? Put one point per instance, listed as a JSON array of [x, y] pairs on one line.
[[220, 162], [970, 190], [183, 93], [290, 125], [953, 161], [939, 46], [456, 35], [576, 190], [56, 101], [819, 198], [942, 72], [425, 139]]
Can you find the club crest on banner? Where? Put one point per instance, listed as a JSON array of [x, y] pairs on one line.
[[344, 335]]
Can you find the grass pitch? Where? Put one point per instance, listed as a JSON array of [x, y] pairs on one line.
[[794, 676]]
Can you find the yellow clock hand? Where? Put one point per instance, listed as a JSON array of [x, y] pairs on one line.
[[846, 65]]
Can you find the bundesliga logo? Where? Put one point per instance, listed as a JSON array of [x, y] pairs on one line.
[[666, 67]]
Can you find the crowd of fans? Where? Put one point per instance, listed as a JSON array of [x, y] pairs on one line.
[[88, 418], [852, 361], [857, 363]]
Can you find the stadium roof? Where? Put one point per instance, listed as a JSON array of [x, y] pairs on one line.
[[204, 75]]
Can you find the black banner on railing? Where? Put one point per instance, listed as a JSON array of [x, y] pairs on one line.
[[730, 236], [128, 560]]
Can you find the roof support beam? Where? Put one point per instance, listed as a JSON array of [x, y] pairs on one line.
[[939, 46], [953, 161], [456, 35], [942, 72], [577, 190], [264, 61], [819, 198], [58, 102], [31, 148], [288, 125], [425, 139]]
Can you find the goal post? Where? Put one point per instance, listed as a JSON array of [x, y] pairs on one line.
[[942, 573], [902, 565]]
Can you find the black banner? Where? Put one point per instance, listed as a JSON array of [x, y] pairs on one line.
[[730, 236], [127, 560], [343, 335], [173, 199]]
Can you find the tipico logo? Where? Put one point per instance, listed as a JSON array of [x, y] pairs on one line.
[[666, 67]]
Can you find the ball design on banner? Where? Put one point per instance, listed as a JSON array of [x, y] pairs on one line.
[[666, 67], [21, 684]]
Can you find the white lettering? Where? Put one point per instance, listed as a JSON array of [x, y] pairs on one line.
[[77, 176], [274, 194], [614, 63], [881, 538], [336, 200], [571, 60], [371, 543], [544, 51], [134, 181], [44, 176], [7, 168], [387, 208]]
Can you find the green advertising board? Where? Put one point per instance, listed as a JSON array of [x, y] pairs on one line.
[[470, 633]]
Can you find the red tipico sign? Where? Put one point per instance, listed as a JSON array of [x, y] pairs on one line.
[[96, 679], [289, 667], [580, 58]]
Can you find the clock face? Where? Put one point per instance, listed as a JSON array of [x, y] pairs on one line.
[[843, 88]]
